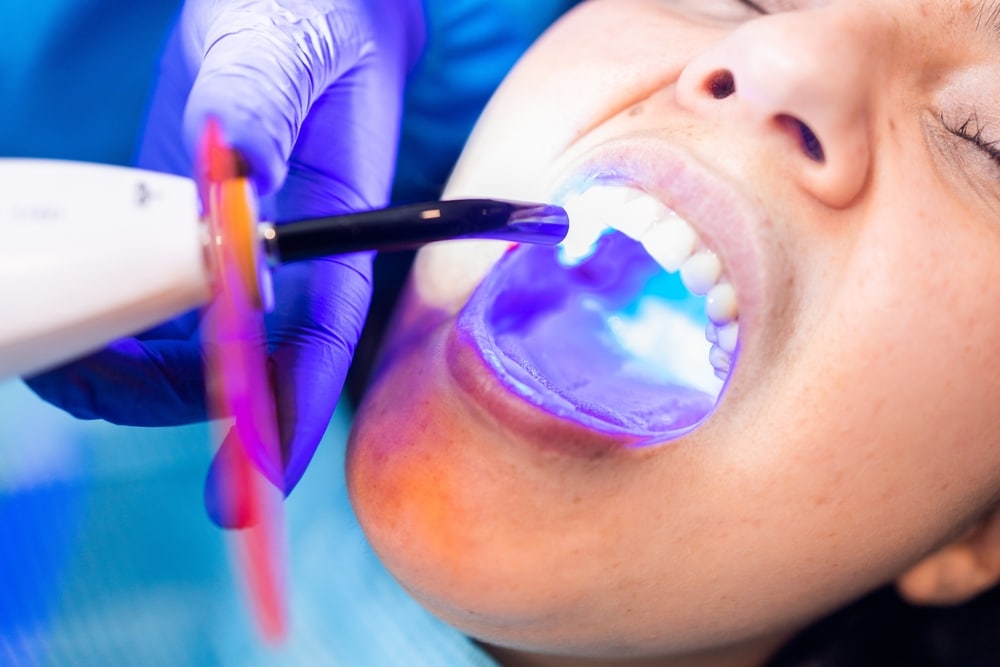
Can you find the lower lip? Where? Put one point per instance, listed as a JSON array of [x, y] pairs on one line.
[[515, 416]]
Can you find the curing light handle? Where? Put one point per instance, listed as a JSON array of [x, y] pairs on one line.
[[411, 226]]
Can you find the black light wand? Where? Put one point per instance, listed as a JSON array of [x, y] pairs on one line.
[[414, 225]]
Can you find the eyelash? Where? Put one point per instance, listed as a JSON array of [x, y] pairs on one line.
[[972, 131]]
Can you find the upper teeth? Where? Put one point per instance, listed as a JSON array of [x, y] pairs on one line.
[[670, 240]]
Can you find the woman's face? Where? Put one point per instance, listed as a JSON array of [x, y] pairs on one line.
[[545, 483]]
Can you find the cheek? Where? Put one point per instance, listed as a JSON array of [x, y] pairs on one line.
[[563, 88], [936, 298], [902, 361], [427, 498], [401, 482]]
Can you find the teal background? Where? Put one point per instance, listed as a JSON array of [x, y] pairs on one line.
[[107, 557]]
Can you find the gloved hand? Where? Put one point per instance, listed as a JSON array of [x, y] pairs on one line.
[[310, 93]]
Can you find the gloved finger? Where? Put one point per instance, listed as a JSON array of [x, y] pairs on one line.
[[261, 71], [312, 341], [227, 501], [319, 312], [346, 150], [131, 382]]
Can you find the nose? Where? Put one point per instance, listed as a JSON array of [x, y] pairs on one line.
[[803, 79]]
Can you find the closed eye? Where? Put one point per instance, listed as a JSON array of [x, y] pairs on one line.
[[972, 131]]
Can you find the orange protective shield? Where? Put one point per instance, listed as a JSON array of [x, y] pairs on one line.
[[239, 384]]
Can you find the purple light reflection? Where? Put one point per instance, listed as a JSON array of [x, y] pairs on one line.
[[549, 331]]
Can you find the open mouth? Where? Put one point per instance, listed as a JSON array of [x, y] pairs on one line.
[[630, 326]]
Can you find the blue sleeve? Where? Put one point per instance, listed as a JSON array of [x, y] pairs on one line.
[[75, 76], [471, 44]]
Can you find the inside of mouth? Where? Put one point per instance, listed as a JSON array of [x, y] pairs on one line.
[[613, 342]]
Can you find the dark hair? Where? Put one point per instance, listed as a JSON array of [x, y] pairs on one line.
[[882, 630]]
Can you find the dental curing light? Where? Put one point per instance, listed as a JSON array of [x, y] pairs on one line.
[[92, 252]]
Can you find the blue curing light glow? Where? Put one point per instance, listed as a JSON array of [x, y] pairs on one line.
[[663, 332]]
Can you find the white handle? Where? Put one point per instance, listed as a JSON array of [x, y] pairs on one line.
[[90, 253]]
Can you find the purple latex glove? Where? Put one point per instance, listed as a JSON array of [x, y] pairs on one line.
[[310, 93]]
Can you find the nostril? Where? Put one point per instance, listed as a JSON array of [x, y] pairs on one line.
[[721, 84], [808, 140]]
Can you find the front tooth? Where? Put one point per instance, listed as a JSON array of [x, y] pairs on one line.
[[586, 224], [670, 241], [638, 215], [603, 203], [701, 271], [599, 208], [720, 306]]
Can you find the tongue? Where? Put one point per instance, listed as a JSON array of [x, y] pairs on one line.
[[549, 333]]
